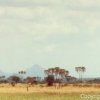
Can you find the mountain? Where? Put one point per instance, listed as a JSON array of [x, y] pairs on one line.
[[5, 74], [35, 70]]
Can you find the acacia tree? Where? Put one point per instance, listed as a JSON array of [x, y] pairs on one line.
[[80, 70], [56, 72], [13, 80]]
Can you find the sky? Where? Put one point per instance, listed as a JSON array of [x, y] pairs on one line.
[[64, 33]]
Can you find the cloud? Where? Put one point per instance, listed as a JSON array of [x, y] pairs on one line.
[[49, 32], [35, 21], [57, 17]]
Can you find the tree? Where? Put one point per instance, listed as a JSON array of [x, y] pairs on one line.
[[22, 73], [80, 70], [31, 80], [50, 80], [56, 72], [62, 73], [66, 73], [2, 79], [14, 80]]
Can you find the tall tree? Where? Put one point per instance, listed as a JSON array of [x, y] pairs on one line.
[[80, 70], [22, 73]]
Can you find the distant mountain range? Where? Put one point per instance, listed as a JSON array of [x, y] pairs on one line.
[[35, 70]]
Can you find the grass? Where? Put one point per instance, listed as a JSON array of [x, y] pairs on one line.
[[38, 96], [43, 96], [19, 92]]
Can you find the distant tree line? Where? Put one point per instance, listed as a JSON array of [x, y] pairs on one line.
[[52, 75]]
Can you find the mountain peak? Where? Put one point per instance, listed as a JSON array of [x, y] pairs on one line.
[[35, 70]]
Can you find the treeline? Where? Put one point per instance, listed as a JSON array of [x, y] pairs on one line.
[[52, 75]]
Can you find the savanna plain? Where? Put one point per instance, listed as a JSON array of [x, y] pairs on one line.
[[37, 92]]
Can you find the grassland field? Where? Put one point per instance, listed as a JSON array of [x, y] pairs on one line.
[[19, 92]]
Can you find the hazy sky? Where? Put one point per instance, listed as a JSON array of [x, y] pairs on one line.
[[50, 33]]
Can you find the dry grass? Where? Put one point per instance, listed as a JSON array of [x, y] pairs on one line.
[[19, 88], [69, 92]]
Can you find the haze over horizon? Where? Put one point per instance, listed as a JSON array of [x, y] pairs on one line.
[[50, 33]]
